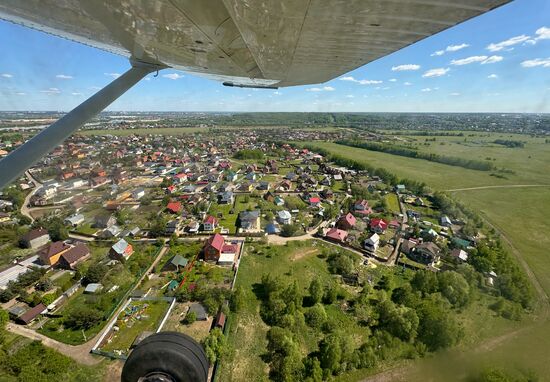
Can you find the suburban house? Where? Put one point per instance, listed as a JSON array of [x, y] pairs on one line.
[[250, 220], [371, 244], [121, 250], [336, 235], [138, 193], [426, 253], [226, 197], [209, 223], [279, 201], [35, 238], [173, 227], [284, 217], [346, 222], [74, 256], [213, 247], [314, 201], [378, 225], [362, 207], [110, 232], [459, 254], [175, 264], [51, 254], [74, 220], [445, 221], [174, 207]]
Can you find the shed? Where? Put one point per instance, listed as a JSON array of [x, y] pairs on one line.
[[199, 310], [93, 288], [27, 317]]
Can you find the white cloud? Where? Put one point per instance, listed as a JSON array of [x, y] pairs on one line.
[[393, 80], [469, 60], [6, 75], [454, 94], [361, 82], [406, 67], [113, 75], [426, 90], [438, 72], [51, 91], [543, 33], [481, 59], [278, 93], [350, 96], [173, 76], [450, 48], [536, 62], [496, 47], [454, 48], [76, 94], [20, 93], [407, 84], [492, 60], [492, 76], [323, 89], [64, 77], [95, 88]]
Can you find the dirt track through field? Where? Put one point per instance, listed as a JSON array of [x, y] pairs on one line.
[[503, 186]]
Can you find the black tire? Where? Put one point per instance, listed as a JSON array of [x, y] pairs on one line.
[[174, 354]]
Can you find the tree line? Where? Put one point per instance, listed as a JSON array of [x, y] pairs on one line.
[[471, 164]]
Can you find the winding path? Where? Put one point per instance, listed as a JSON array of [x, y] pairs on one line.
[[24, 208]]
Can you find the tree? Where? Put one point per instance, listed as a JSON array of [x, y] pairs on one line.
[[215, 345], [438, 328], [400, 321], [83, 318], [312, 370], [386, 283], [44, 285], [330, 353], [316, 316], [237, 300], [190, 318], [455, 288], [315, 290], [95, 273], [288, 230], [330, 294], [425, 282], [341, 263], [47, 299]]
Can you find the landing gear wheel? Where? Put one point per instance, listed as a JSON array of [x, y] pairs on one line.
[[166, 357]]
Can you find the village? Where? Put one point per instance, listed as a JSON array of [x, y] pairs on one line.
[[119, 237]]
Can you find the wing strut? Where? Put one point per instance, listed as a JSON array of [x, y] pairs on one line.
[[19, 160]]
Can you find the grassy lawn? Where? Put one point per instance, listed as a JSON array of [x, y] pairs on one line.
[[393, 203], [227, 220], [147, 317], [86, 229]]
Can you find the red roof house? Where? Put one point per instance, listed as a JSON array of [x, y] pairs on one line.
[[337, 235], [314, 201], [362, 207], [210, 223], [378, 225], [213, 247], [346, 222], [174, 207]]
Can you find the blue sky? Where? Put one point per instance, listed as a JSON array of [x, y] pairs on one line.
[[498, 62]]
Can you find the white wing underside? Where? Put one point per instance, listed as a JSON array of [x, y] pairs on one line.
[[248, 42]]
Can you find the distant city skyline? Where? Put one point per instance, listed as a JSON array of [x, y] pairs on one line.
[[497, 62]]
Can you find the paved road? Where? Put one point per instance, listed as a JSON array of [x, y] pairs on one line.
[[37, 185], [503, 186]]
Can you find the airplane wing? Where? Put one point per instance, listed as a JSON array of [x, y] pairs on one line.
[[269, 43]]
